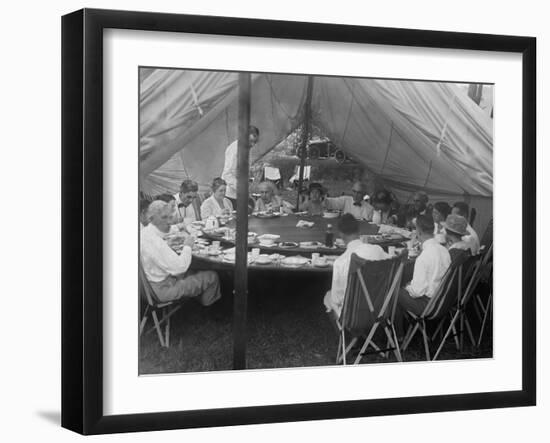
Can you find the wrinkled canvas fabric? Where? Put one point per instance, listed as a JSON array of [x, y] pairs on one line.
[[410, 134]]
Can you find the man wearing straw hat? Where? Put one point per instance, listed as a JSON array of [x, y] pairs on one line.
[[455, 229]]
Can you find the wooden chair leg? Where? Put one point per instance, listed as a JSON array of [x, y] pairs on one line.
[[469, 329], [393, 343], [425, 336], [455, 335], [143, 321], [157, 327], [485, 316], [439, 328], [167, 340], [366, 344], [344, 347], [444, 339], [410, 334]]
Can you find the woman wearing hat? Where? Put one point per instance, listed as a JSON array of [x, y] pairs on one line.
[[383, 211], [315, 203]]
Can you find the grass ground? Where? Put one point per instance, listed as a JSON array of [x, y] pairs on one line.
[[287, 327]]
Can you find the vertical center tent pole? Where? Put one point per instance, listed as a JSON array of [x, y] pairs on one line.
[[240, 305], [305, 137]]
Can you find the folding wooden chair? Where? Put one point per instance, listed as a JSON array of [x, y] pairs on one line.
[[487, 305], [154, 307], [469, 275], [439, 305], [369, 303]]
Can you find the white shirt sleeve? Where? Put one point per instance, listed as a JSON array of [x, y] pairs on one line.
[[418, 285], [339, 281], [229, 173], [166, 259], [207, 208]]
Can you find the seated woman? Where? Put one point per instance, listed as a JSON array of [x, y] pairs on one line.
[[315, 203], [269, 201], [440, 212], [384, 212], [217, 204]]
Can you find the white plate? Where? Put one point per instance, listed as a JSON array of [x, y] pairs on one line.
[[294, 261]]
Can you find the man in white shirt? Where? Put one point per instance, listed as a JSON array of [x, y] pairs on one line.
[[349, 228], [472, 239], [229, 173], [355, 205], [187, 209], [167, 271], [429, 269]]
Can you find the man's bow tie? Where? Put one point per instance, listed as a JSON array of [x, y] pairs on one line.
[[181, 205], [357, 204]]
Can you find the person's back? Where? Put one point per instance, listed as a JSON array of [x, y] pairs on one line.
[[349, 227]]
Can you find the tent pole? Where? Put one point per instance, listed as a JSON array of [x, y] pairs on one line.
[[305, 136], [241, 242]]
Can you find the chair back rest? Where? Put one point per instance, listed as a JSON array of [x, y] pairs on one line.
[[447, 293], [473, 213], [145, 289], [487, 238], [371, 292]]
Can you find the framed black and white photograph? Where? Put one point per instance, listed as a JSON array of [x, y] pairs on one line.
[[288, 221]]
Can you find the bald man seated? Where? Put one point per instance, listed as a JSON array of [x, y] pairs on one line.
[[168, 272]]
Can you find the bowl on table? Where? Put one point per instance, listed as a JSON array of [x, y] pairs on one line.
[[268, 239]]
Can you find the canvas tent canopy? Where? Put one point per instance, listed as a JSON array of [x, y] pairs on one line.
[[411, 134]]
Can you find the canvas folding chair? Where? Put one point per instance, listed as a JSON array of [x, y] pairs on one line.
[[153, 308], [487, 306], [469, 275], [369, 303], [439, 305]]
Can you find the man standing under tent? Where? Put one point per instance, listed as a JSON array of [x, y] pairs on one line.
[[355, 205], [472, 239], [167, 271], [187, 208], [229, 173]]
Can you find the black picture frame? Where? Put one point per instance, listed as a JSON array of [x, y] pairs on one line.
[[82, 218]]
